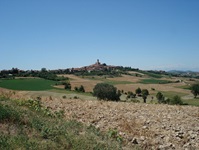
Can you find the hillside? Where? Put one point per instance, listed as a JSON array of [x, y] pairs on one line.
[[28, 124], [147, 126], [128, 124]]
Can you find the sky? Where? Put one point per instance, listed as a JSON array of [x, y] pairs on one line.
[[58, 34]]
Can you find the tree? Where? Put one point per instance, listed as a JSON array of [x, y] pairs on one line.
[[160, 97], [106, 92], [43, 70], [67, 85], [145, 93], [81, 89], [176, 100], [130, 95], [195, 90], [138, 91], [76, 89]]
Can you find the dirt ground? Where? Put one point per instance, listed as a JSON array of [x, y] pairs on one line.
[[148, 125]]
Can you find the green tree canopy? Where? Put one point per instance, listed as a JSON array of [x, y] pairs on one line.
[[67, 85], [176, 100], [145, 93], [138, 91], [159, 97], [106, 92], [195, 90]]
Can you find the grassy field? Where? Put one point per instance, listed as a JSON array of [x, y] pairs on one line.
[[109, 81], [171, 94], [27, 84], [125, 82], [154, 81], [150, 74], [117, 82], [194, 102]]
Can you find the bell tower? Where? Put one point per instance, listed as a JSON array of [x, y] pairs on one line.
[[98, 62]]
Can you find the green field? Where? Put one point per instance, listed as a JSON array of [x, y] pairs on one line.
[[27, 84], [154, 81], [117, 82], [194, 102], [108, 81], [150, 74], [171, 94]]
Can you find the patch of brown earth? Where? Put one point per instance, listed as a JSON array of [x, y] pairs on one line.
[[149, 126]]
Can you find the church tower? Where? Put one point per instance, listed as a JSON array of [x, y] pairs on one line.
[[98, 62]]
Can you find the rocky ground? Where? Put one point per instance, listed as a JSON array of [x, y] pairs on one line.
[[149, 126]]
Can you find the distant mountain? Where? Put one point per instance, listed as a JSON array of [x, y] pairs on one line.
[[188, 73], [181, 71]]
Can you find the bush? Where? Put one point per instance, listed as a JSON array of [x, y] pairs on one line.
[[8, 114], [160, 97], [106, 92], [138, 91], [80, 89], [130, 95], [67, 85], [176, 100]]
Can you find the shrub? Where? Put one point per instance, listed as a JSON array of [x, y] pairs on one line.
[[130, 95], [80, 89], [160, 97], [67, 85], [8, 114], [176, 100], [138, 91], [106, 92], [75, 97]]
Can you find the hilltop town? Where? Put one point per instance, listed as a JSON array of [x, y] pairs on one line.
[[97, 66]]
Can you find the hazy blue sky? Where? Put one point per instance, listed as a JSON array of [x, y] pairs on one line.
[[145, 34]]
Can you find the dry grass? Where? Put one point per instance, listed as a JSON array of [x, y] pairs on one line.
[[78, 81], [126, 78], [89, 84]]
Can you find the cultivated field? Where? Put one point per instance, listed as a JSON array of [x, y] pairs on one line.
[[167, 85], [137, 125]]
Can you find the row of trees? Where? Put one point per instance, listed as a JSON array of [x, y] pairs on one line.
[[67, 86], [176, 100], [104, 91], [109, 92]]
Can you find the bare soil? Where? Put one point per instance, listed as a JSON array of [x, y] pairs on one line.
[[147, 125]]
